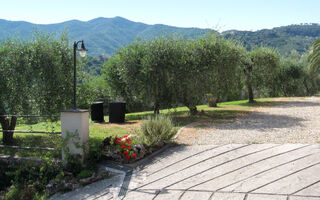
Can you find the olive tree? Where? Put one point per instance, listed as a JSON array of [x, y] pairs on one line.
[[167, 71], [35, 78], [260, 66], [223, 58], [142, 72]]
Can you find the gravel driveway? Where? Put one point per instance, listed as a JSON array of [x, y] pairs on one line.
[[297, 120]]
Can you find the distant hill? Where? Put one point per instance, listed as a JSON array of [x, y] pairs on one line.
[[103, 36], [285, 38]]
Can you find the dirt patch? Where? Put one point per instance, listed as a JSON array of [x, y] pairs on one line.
[[130, 125], [189, 133]]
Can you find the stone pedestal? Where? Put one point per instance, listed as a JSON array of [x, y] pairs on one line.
[[75, 133]]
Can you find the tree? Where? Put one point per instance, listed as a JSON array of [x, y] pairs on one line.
[[188, 76], [34, 77], [14, 85], [225, 68], [314, 56], [141, 72], [260, 67], [167, 71], [209, 65]]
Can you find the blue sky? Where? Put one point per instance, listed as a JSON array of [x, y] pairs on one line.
[[216, 14]]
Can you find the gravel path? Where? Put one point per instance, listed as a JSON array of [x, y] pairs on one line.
[[295, 121]]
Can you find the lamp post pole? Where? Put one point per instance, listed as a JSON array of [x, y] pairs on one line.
[[74, 75], [83, 51]]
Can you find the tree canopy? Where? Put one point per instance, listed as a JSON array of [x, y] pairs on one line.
[[35, 76]]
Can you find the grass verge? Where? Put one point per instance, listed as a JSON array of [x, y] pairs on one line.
[[99, 131]]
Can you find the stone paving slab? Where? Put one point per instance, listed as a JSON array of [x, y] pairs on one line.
[[231, 172], [256, 171], [102, 190], [227, 196], [169, 194], [190, 195], [265, 197]]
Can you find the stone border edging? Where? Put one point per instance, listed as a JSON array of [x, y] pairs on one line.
[[181, 129], [127, 169], [149, 157]]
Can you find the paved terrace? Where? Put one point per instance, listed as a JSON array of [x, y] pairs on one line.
[[216, 168], [233, 171]]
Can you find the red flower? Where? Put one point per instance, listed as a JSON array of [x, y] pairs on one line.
[[129, 142], [123, 147], [126, 152], [125, 136], [129, 147], [122, 143], [127, 156], [133, 155]]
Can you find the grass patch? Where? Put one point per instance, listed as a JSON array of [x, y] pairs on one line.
[[99, 131]]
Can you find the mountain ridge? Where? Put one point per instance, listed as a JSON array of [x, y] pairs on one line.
[[106, 35]]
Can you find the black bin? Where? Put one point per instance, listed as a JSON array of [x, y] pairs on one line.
[[117, 112], [97, 112]]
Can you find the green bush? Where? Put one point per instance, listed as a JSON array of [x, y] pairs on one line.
[[157, 129], [13, 194], [85, 173]]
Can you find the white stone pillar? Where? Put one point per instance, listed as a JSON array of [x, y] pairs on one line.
[[75, 133]]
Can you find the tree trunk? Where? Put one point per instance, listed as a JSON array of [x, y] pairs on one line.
[[250, 93], [247, 72], [193, 109], [306, 86], [156, 109], [7, 125]]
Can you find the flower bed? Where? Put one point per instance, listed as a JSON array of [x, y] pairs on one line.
[[124, 150]]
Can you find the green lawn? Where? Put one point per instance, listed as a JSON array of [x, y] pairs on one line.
[[99, 131]]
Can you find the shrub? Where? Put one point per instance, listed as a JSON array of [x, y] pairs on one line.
[[157, 130], [85, 173]]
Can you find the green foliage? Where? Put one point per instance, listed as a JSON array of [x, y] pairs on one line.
[[13, 194], [284, 39], [165, 71], [291, 77], [157, 129], [314, 56], [140, 72], [223, 60], [31, 178], [260, 66], [35, 74], [85, 173], [95, 152], [91, 86], [105, 36], [34, 77]]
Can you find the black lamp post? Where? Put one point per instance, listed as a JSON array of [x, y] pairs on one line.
[[82, 52]]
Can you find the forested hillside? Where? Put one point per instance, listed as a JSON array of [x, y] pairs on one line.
[[285, 39], [106, 35], [101, 35]]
